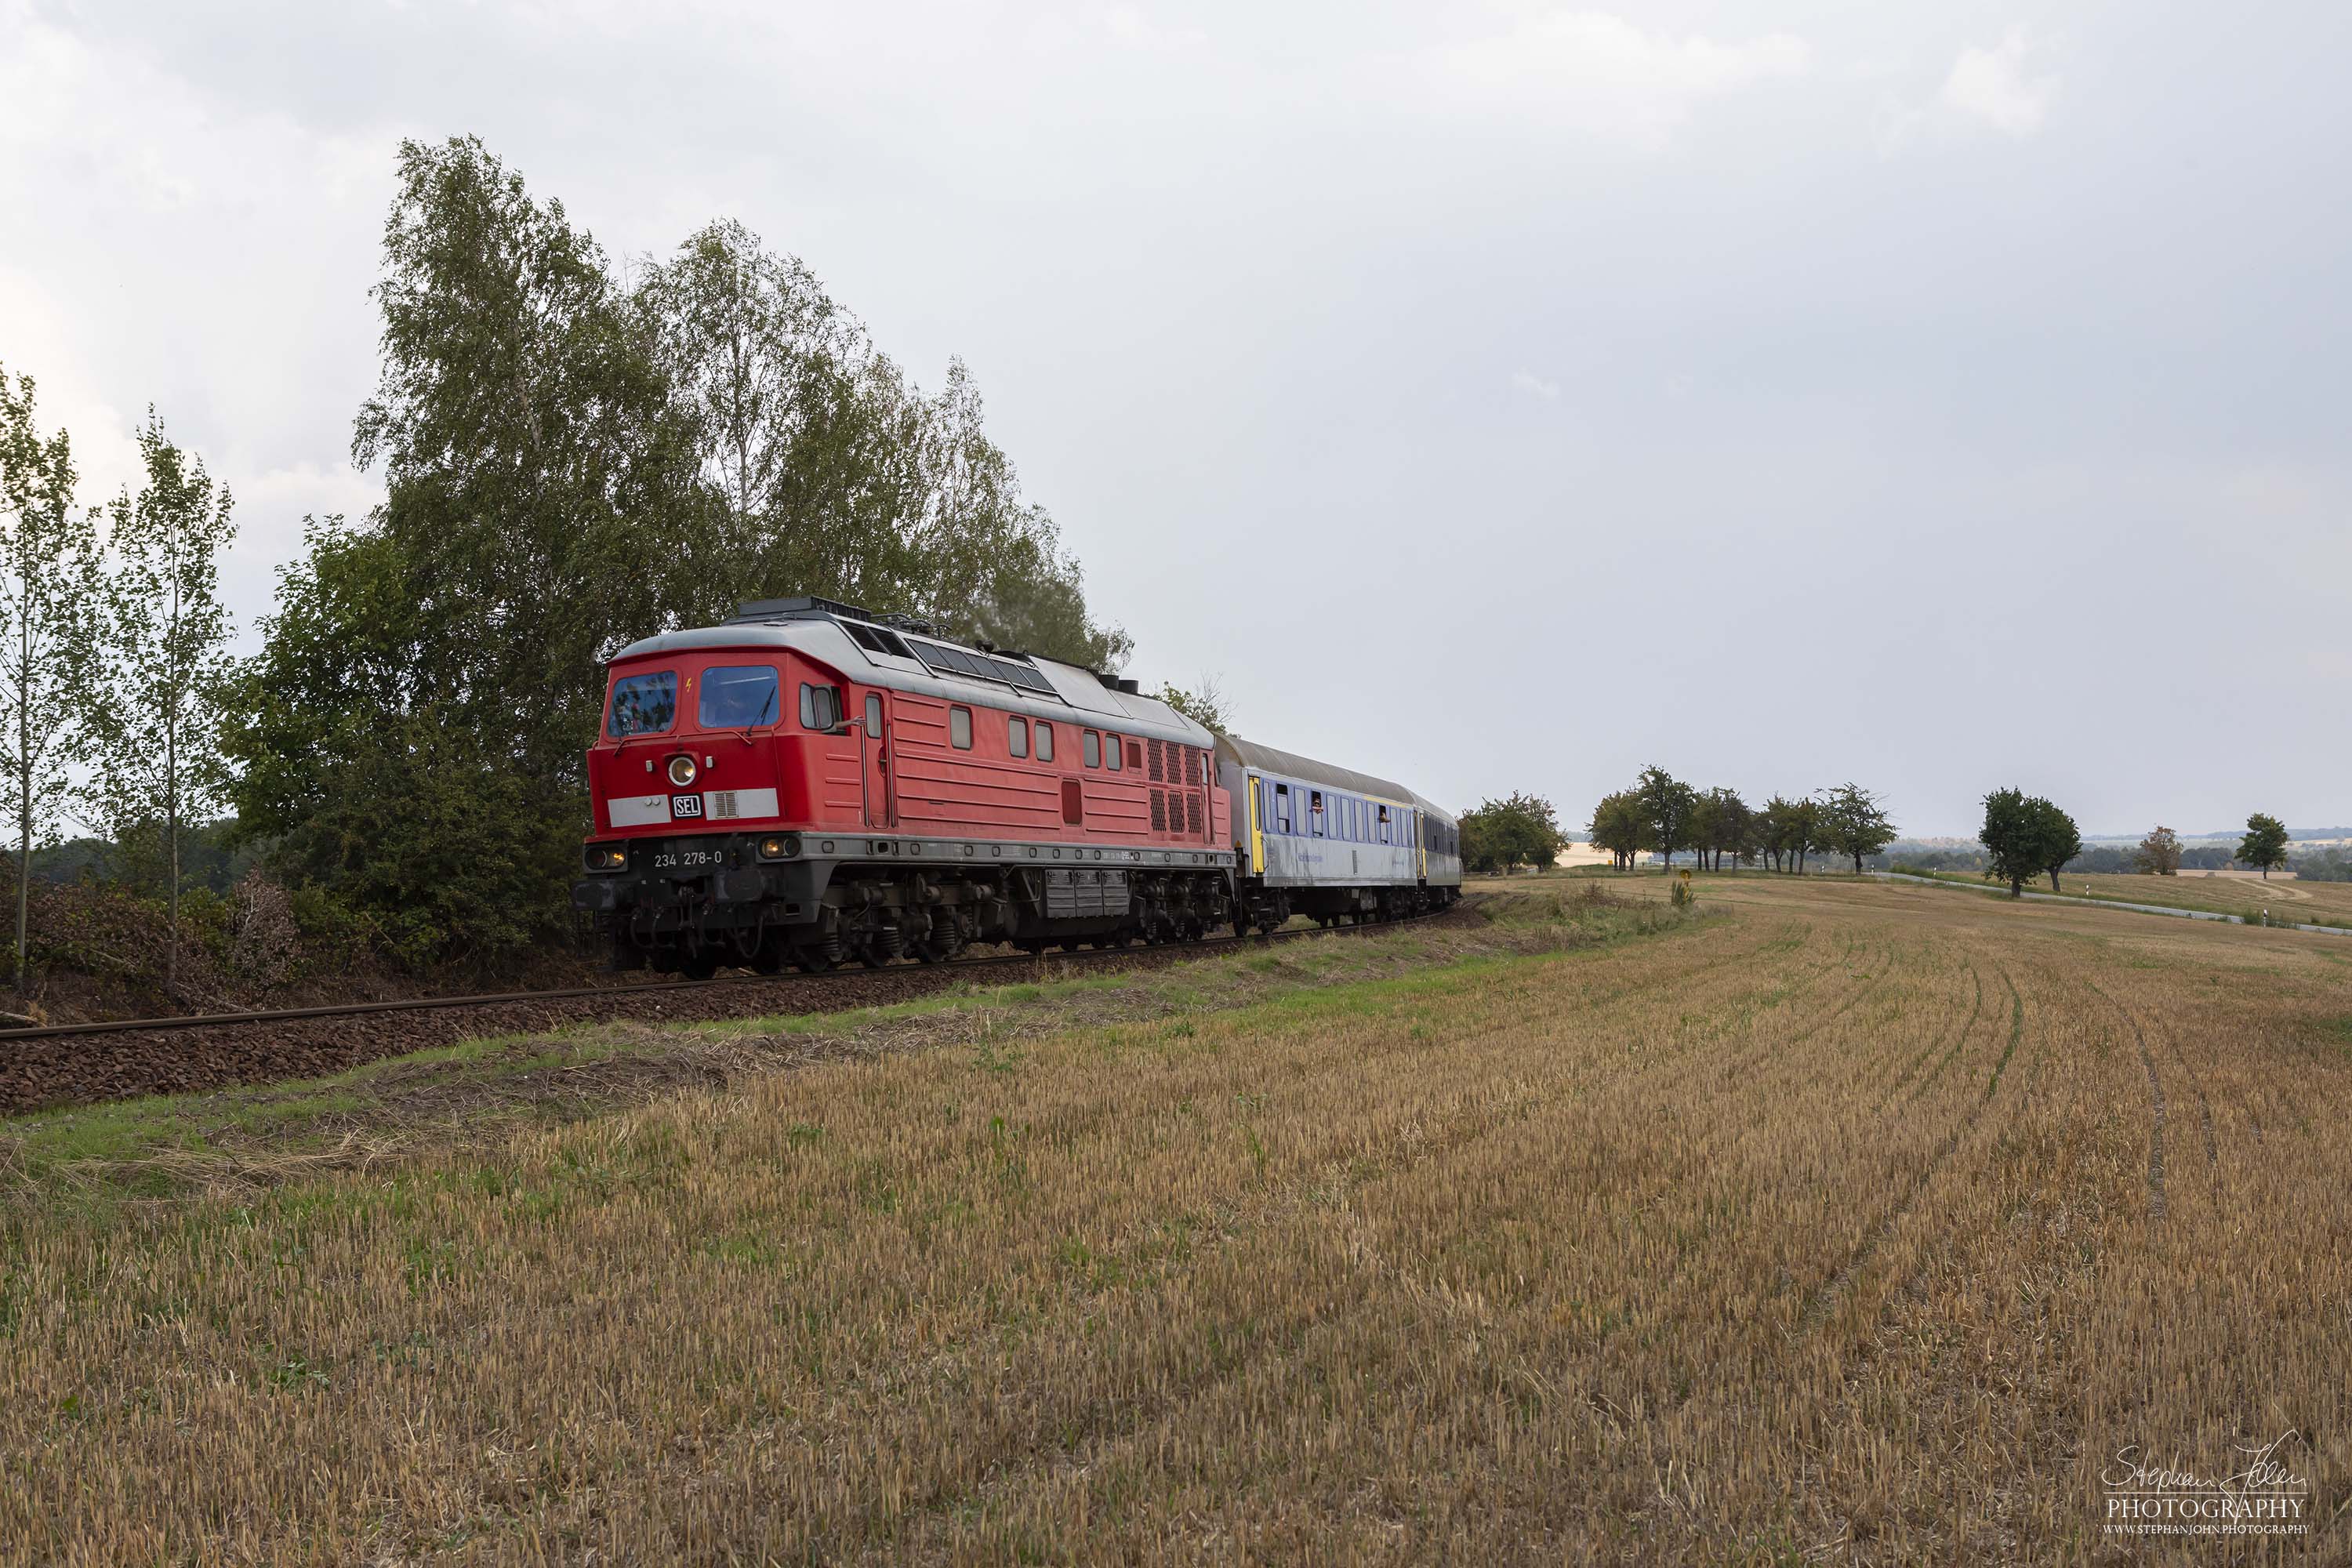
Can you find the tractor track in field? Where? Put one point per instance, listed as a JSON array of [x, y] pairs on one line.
[[1818, 1307], [2155, 1091], [78, 1064]]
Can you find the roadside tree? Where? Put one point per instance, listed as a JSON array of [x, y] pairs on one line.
[[2264, 845], [1855, 823], [2159, 853]]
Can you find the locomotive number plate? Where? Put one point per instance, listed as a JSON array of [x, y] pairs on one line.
[[687, 858], [685, 806]]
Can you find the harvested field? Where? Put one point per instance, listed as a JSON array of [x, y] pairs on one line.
[[1844, 1223]]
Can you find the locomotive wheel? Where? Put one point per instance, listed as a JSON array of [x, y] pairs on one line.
[[813, 960], [700, 965]]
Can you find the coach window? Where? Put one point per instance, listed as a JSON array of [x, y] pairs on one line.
[[1090, 744], [959, 729], [1111, 745], [1282, 808], [643, 704], [1016, 735], [819, 708], [1045, 742], [1384, 825], [1315, 811]]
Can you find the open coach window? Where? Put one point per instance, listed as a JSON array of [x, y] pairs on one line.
[[737, 697], [643, 704]]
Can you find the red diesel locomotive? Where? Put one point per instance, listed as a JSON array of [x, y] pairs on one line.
[[809, 783]]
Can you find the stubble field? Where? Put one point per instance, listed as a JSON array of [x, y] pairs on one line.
[[1843, 1223]]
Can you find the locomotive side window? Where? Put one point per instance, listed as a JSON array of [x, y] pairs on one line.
[[959, 729], [643, 704], [1045, 742], [873, 717], [1114, 750], [1135, 755], [1016, 735], [1092, 746], [819, 708], [737, 697]]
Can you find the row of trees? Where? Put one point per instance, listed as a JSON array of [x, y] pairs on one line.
[[2026, 836], [112, 654], [2263, 848], [1660, 814], [574, 457]]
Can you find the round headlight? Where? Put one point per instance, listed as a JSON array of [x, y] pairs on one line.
[[681, 771]]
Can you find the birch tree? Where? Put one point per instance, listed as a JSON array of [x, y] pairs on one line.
[[163, 646], [48, 585]]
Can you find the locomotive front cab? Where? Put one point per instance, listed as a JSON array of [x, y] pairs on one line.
[[712, 766]]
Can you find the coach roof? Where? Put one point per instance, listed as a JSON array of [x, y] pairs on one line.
[[1290, 765]]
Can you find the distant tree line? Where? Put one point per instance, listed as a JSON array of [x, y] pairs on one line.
[[1660, 814]]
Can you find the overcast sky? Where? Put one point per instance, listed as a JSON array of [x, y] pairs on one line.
[[1493, 397]]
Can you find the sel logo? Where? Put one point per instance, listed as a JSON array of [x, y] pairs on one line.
[[686, 805]]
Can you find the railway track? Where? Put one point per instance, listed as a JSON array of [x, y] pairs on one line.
[[66, 1064]]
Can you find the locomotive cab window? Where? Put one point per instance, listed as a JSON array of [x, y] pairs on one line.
[[737, 697], [1113, 749], [959, 729], [1090, 742], [1016, 735], [873, 717], [819, 708], [1045, 742], [643, 704]]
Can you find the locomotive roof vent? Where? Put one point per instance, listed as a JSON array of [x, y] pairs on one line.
[[1131, 686], [798, 607]]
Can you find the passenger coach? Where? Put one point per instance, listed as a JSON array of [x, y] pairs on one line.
[[1331, 843]]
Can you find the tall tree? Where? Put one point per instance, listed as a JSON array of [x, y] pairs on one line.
[[162, 639], [2159, 853], [1855, 823], [540, 476], [1667, 804], [51, 580], [2264, 845], [1805, 833], [827, 471]]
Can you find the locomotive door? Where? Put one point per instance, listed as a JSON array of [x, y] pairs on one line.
[[874, 751]]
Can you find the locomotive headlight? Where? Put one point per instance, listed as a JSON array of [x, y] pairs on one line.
[[681, 771], [780, 846], [608, 857]]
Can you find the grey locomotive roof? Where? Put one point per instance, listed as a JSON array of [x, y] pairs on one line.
[[823, 639], [1265, 759]]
